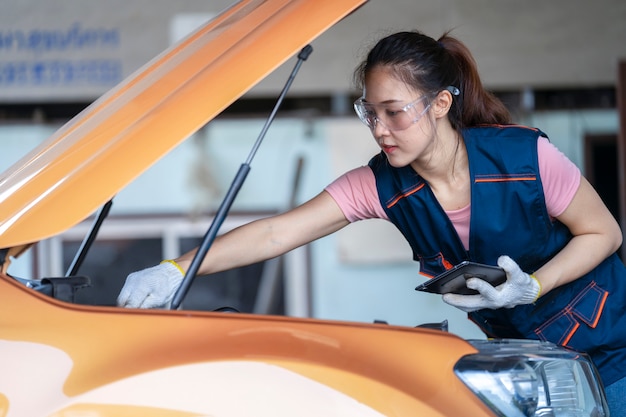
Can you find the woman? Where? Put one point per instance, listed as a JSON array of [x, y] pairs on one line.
[[461, 183]]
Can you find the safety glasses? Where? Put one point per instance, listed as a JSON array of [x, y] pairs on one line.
[[391, 115]]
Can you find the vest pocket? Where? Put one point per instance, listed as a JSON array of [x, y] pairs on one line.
[[431, 266], [586, 308]]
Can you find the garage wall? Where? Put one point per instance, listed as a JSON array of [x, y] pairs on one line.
[[75, 50]]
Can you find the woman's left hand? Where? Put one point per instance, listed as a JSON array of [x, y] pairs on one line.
[[519, 288]]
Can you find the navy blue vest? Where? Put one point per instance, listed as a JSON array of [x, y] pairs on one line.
[[509, 217]]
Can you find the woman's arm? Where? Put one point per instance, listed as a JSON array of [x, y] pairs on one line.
[[270, 237], [596, 236], [155, 287]]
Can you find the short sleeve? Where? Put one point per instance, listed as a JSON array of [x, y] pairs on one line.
[[356, 195], [559, 175]]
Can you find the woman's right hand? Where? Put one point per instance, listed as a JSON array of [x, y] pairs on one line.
[[152, 287]]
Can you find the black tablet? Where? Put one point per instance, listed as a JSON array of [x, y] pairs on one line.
[[453, 280]]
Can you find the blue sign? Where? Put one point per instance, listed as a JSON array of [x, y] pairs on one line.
[[60, 58]]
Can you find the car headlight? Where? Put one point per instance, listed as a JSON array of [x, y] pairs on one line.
[[524, 378]]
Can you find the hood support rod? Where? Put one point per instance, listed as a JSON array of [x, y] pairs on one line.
[[238, 181]]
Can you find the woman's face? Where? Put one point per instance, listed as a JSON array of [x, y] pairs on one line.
[[398, 117]]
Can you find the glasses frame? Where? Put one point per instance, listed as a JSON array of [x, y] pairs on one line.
[[360, 106]]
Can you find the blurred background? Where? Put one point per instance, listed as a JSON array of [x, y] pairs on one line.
[[558, 65]]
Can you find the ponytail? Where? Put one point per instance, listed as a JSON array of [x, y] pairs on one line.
[[477, 105]]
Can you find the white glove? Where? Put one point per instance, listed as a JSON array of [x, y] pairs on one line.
[[151, 287], [519, 288]]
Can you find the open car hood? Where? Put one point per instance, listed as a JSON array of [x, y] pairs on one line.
[[128, 129]]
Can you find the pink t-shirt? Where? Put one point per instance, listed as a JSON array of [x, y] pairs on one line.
[[355, 191]]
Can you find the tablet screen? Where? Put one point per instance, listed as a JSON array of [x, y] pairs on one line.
[[453, 280]]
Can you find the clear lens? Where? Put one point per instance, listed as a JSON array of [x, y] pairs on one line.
[[528, 379], [393, 116]]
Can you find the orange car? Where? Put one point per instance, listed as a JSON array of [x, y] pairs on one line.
[[62, 359]]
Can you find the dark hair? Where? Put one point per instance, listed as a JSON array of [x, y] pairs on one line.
[[431, 66]]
